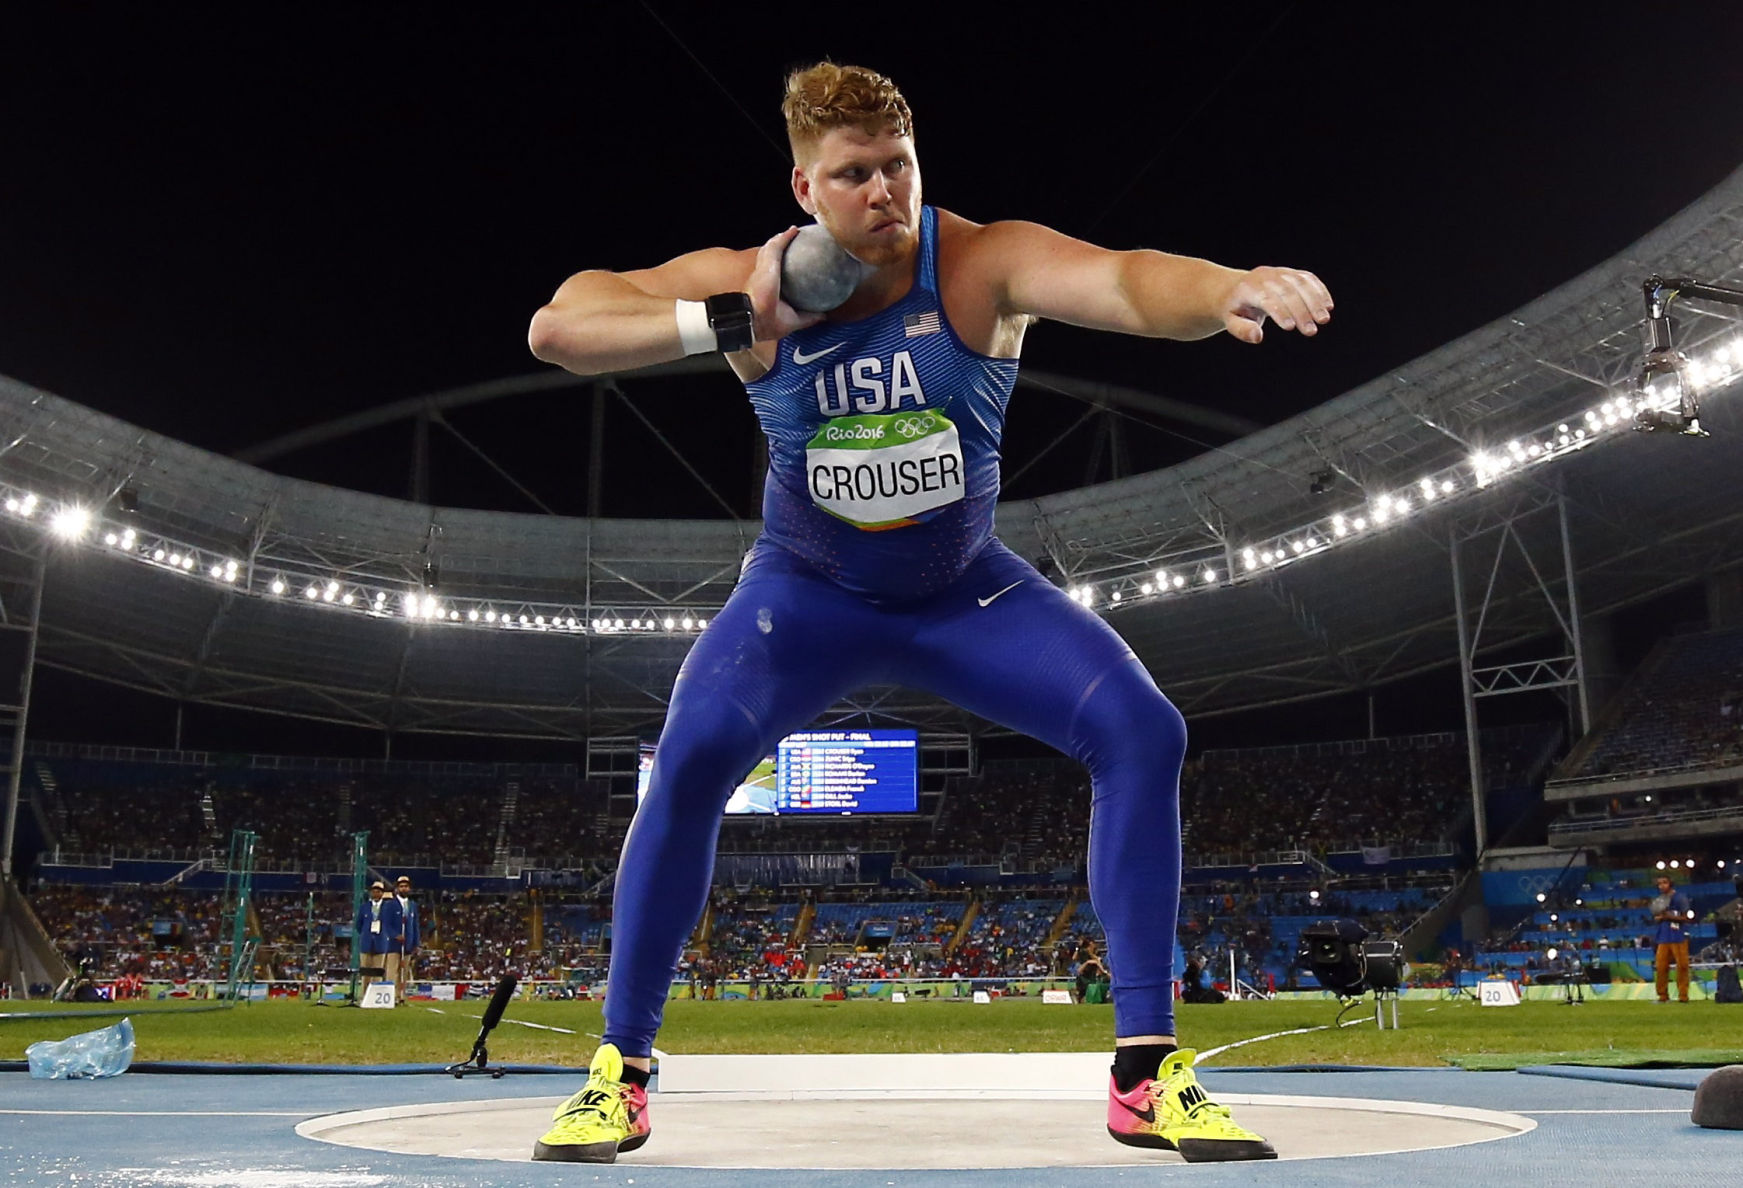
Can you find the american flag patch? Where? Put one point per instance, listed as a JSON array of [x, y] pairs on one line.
[[914, 325]]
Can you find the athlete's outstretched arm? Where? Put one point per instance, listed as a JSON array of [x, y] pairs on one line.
[[1038, 271], [616, 321]]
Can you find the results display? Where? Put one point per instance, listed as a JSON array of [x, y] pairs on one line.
[[848, 771], [825, 772]]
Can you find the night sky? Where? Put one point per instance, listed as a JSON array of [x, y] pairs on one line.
[[225, 231], [224, 227]]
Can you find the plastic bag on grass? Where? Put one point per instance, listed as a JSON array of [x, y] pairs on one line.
[[106, 1052]]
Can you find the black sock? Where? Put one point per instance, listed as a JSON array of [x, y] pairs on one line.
[[1136, 1063], [635, 1076]]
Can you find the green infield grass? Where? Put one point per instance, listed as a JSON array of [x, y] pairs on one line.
[[1432, 1033]]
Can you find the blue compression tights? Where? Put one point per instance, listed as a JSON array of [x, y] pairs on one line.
[[789, 643]]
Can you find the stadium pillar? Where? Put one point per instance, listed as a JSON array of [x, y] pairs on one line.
[[1467, 687], [1725, 598], [1503, 525], [596, 450], [18, 713], [1572, 626]]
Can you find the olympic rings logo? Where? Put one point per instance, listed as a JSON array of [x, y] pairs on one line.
[[1537, 882], [915, 426]]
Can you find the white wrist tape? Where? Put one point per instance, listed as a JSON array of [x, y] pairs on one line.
[[694, 332]]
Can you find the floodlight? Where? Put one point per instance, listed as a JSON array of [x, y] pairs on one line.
[[1209, 574], [1661, 864], [312, 592], [1115, 597], [1348, 964], [689, 623], [1146, 588], [1667, 379], [349, 598], [1179, 581], [111, 539], [277, 585], [1553, 953], [1668, 397], [70, 522], [217, 571], [1541, 897], [669, 624]]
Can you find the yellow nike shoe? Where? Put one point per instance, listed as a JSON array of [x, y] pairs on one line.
[[608, 1116], [1172, 1112]]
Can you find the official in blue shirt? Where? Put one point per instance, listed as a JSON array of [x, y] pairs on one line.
[[1674, 914], [378, 925], [411, 929]]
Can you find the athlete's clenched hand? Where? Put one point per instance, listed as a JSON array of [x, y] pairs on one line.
[[772, 317], [1294, 299]]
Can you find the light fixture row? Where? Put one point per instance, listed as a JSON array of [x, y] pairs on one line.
[[77, 524], [1714, 370]]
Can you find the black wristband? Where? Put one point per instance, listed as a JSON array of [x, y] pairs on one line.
[[729, 316]]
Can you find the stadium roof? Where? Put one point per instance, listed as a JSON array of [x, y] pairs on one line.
[[242, 588]]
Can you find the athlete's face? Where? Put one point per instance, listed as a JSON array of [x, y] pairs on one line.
[[865, 189]]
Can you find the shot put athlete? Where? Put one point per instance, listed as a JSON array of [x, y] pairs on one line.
[[877, 562]]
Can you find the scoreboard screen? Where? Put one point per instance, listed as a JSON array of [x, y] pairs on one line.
[[825, 772]]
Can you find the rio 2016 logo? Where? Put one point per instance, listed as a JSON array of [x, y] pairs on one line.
[[854, 433]]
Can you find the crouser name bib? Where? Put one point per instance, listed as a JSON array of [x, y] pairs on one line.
[[884, 471]]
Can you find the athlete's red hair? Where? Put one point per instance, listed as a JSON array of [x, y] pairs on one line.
[[827, 96]]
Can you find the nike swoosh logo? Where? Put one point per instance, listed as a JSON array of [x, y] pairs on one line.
[[988, 601], [1147, 1114], [801, 358]]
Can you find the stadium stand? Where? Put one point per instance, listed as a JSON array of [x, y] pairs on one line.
[[1606, 922], [1682, 711]]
